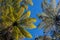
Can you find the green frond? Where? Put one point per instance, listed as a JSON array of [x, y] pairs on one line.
[[14, 16], [25, 33], [11, 15], [28, 2], [26, 7], [18, 1], [48, 9], [47, 28], [28, 23], [31, 26], [6, 11], [21, 35], [26, 15], [20, 13], [43, 14], [7, 24], [41, 25], [15, 32], [53, 4], [11, 9], [3, 17], [29, 20]]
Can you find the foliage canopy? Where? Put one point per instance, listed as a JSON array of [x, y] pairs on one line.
[[14, 19]]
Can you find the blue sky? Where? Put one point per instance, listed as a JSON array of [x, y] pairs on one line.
[[35, 9]]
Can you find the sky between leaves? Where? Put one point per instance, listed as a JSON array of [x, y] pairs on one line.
[[35, 9]]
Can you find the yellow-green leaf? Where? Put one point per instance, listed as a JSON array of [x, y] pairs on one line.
[[20, 13], [30, 20], [30, 26], [26, 15], [25, 33], [15, 33]]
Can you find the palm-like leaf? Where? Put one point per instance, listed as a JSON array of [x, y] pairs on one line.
[[15, 20], [50, 16], [43, 38]]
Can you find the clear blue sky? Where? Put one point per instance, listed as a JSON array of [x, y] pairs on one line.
[[35, 9]]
